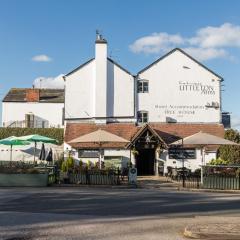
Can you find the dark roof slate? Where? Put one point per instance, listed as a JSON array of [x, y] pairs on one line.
[[46, 95]]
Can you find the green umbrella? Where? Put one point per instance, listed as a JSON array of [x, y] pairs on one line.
[[13, 141], [37, 138]]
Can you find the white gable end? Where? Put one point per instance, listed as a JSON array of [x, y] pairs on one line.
[[79, 92], [180, 90]]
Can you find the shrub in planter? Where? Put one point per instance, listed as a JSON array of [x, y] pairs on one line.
[[70, 162]]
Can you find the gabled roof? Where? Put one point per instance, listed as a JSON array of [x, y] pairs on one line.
[[142, 130], [79, 67], [112, 61], [45, 95], [183, 52], [84, 64]]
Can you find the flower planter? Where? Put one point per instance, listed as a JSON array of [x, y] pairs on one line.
[[23, 179]]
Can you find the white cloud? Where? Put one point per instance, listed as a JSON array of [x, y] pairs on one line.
[[156, 42], [203, 54], [208, 42], [41, 58], [226, 35], [49, 82]]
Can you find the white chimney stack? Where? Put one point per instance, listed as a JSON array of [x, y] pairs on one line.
[[100, 77]]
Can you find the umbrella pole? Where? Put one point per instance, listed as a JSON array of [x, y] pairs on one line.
[[203, 161], [11, 153], [100, 156], [34, 155]]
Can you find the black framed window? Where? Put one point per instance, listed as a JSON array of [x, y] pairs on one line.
[[142, 86], [142, 116]]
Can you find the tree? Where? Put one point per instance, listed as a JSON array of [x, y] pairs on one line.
[[231, 153]]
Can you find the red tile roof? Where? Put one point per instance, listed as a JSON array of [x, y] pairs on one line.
[[168, 132], [74, 130]]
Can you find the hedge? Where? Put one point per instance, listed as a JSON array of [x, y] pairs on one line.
[[56, 133]]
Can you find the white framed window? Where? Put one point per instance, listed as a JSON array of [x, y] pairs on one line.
[[142, 116], [142, 86]]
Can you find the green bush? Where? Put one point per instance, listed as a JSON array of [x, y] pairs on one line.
[[70, 162], [64, 167], [56, 133], [231, 153], [218, 161]]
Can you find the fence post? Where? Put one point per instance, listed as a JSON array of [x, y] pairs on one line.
[[118, 176], [239, 179], [87, 177]]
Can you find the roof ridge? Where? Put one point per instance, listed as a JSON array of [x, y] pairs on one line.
[[186, 54]]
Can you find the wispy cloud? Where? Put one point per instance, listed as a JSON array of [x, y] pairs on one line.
[[156, 42], [207, 43], [49, 82], [41, 58]]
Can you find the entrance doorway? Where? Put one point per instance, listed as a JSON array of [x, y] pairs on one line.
[[145, 161]]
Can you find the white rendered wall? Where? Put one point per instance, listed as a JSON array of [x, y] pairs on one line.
[[86, 97], [120, 92], [79, 93], [50, 112], [122, 153], [168, 97], [192, 164]]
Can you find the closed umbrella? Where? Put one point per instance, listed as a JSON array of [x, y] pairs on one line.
[[50, 156], [13, 141], [42, 153], [202, 140], [37, 138], [99, 137]]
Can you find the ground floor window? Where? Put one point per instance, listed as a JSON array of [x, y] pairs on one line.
[[113, 162]]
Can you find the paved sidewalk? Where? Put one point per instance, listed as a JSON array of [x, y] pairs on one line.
[[214, 231], [155, 182]]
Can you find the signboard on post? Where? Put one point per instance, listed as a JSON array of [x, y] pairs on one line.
[[182, 153], [132, 176]]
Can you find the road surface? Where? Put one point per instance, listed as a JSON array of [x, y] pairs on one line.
[[109, 213]]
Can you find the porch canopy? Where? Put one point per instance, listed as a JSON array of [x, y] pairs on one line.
[[99, 137]]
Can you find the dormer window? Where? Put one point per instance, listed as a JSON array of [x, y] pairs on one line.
[[142, 86], [142, 117]]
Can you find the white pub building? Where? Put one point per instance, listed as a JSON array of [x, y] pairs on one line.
[[174, 97]]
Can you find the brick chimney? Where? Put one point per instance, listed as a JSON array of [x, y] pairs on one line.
[[32, 95]]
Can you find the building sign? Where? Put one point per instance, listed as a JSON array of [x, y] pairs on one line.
[[170, 109], [182, 153], [132, 176], [203, 89]]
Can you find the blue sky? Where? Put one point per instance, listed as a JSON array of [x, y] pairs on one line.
[[48, 38]]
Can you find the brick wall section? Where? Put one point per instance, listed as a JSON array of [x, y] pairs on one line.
[[168, 132], [32, 95]]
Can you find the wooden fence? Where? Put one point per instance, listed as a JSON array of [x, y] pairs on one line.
[[94, 177]]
